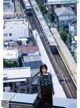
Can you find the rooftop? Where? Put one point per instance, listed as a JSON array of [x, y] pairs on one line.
[[61, 1], [32, 58], [15, 28], [64, 11], [15, 24], [74, 21], [33, 64], [28, 49], [16, 74], [8, 6], [10, 53]]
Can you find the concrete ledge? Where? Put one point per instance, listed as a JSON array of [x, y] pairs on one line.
[[18, 100]]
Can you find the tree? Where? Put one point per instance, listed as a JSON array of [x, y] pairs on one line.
[[42, 7], [70, 38], [63, 35], [9, 63]]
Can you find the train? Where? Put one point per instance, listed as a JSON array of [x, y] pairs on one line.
[[26, 6]]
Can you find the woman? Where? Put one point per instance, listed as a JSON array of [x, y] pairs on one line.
[[45, 89]]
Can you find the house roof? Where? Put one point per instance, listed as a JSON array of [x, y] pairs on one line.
[[32, 58], [73, 21], [28, 49], [63, 11]]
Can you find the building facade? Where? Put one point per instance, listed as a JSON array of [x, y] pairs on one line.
[[16, 28]]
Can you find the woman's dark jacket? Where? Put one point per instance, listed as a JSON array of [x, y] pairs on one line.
[[44, 80]]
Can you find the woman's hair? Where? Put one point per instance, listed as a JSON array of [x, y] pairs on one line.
[[43, 66]]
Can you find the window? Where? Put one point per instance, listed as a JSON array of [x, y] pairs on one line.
[[10, 34], [5, 34]]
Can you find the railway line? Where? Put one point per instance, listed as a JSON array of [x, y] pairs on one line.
[[57, 63], [66, 79]]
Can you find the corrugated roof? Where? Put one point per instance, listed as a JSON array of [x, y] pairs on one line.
[[32, 58], [33, 65]]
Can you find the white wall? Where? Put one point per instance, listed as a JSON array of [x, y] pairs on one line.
[[16, 33], [17, 30]]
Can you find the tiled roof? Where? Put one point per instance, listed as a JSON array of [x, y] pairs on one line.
[[64, 11]]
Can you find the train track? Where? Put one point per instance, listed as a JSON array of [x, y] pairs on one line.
[[66, 79], [60, 70]]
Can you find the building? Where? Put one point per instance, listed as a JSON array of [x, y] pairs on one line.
[[10, 54], [31, 56], [34, 61], [16, 28], [73, 33], [8, 9], [50, 2], [73, 27], [20, 80], [28, 50], [63, 16], [23, 40], [17, 80], [10, 58]]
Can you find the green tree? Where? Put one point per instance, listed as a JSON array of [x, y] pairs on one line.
[[9, 63], [41, 5], [63, 35], [70, 38]]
